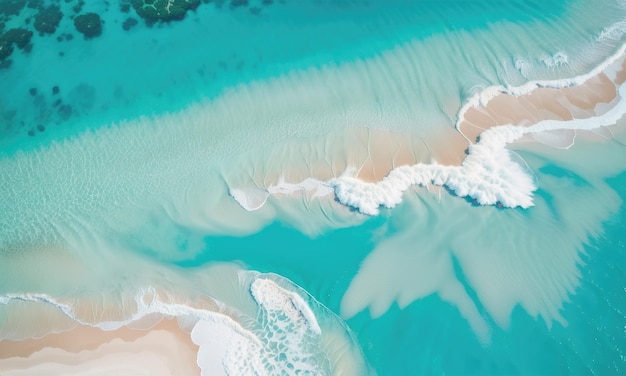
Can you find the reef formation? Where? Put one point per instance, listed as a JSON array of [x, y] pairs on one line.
[[89, 24], [163, 10]]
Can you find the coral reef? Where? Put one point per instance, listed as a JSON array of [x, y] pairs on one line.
[[12, 7], [47, 20], [88, 24], [129, 24], [18, 37], [163, 10]]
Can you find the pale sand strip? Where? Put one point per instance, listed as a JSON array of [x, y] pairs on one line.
[[574, 102], [86, 348]]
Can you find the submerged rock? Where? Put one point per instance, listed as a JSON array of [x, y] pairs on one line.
[[88, 24], [129, 24], [48, 19], [163, 10]]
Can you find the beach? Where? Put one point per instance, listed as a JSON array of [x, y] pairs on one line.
[[162, 350]]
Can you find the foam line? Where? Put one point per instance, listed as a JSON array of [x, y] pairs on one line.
[[483, 97], [253, 199], [271, 296]]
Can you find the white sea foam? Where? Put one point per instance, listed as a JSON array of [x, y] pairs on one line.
[[249, 198], [254, 198], [555, 61], [319, 188], [273, 298], [522, 65], [226, 348]]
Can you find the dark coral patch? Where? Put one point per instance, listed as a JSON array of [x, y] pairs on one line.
[[55, 90], [33, 91], [36, 4], [129, 24], [48, 19], [163, 10], [65, 112], [78, 7], [88, 24], [124, 6], [12, 7], [18, 37], [239, 3], [6, 49]]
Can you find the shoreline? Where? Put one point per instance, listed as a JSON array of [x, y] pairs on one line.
[[84, 346], [166, 335]]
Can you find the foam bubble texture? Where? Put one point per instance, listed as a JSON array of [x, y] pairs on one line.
[[286, 340]]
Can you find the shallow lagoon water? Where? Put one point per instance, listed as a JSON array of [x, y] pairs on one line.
[[131, 196]]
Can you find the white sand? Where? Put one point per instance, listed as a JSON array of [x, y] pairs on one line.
[[163, 350]]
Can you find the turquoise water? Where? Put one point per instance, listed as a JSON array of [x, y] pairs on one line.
[[132, 189]]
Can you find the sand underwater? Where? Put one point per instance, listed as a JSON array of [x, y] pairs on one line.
[[325, 187]]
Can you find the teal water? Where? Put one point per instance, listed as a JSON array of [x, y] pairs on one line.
[[132, 187]]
